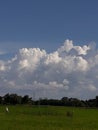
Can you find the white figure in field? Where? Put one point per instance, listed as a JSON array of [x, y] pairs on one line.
[[7, 110]]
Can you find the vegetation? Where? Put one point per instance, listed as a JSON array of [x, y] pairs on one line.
[[47, 114], [13, 99], [29, 117]]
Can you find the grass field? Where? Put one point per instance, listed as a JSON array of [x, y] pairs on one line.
[[48, 118]]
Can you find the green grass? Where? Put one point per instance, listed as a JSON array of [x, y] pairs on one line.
[[47, 118]]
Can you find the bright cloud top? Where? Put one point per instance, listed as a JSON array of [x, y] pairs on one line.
[[70, 71]]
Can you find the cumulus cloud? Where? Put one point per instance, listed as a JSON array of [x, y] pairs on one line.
[[69, 71]]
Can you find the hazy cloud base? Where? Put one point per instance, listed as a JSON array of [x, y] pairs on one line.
[[70, 71]]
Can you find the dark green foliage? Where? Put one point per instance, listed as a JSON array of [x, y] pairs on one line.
[[26, 100], [65, 101], [15, 99]]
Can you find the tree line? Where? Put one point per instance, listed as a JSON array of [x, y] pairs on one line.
[[13, 99]]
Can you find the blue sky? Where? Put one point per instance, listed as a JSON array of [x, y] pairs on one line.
[[47, 23]]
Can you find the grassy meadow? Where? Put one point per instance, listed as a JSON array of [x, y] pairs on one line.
[[48, 118]]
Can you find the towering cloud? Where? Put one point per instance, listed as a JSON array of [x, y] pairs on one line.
[[70, 71]]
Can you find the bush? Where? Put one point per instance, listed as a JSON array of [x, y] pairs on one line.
[[69, 114]]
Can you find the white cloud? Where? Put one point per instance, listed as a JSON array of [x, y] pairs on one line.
[[52, 58], [69, 49], [70, 71], [68, 45], [82, 50], [92, 88]]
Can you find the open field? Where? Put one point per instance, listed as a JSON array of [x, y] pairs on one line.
[[48, 118]]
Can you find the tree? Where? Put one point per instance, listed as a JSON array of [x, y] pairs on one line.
[[0, 100], [26, 100], [6, 99]]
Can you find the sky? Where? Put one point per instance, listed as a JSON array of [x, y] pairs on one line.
[[49, 48], [47, 23]]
